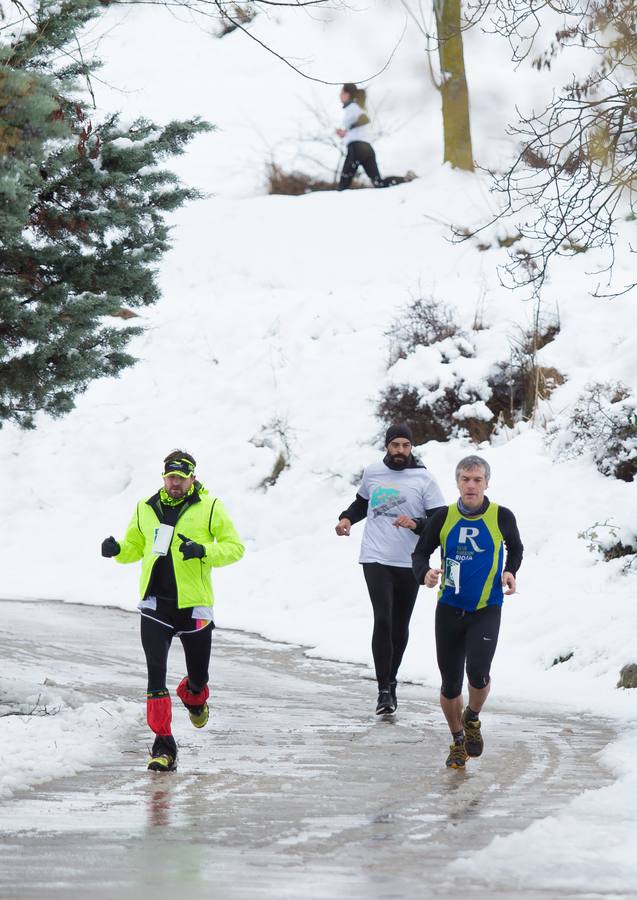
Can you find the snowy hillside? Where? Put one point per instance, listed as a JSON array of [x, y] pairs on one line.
[[274, 321]]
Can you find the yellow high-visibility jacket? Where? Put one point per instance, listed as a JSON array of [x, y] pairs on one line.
[[204, 520]]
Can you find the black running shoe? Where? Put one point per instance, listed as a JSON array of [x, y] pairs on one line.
[[385, 705], [473, 742], [392, 689]]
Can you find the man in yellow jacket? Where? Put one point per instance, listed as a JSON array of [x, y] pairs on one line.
[[179, 534]]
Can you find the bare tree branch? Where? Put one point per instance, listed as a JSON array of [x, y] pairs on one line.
[[575, 175]]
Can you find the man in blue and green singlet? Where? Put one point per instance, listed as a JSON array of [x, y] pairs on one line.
[[472, 534]]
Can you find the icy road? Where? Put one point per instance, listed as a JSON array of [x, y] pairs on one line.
[[294, 790]]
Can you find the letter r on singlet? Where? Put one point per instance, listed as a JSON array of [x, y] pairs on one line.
[[469, 535]]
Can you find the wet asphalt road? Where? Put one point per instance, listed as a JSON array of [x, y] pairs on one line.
[[294, 790]]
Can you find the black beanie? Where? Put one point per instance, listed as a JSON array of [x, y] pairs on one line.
[[402, 430]]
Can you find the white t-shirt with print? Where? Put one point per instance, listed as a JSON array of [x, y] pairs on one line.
[[392, 493]]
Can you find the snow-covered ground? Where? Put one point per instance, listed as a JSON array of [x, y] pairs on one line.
[[274, 317]]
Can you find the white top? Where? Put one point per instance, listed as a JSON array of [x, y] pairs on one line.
[[351, 113], [392, 493]]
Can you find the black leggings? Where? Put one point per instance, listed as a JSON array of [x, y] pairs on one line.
[[392, 590], [360, 153], [156, 641], [465, 637]]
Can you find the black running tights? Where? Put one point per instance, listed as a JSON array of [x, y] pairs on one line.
[[392, 590], [156, 641], [360, 153], [465, 638]]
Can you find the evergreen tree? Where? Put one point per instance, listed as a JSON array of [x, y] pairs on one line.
[[82, 217]]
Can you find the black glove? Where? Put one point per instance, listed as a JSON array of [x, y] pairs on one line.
[[191, 549], [110, 547]]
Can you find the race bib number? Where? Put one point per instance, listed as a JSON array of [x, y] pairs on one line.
[[452, 574], [163, 537]]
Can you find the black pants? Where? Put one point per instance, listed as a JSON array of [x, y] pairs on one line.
[[360, 153], [156, 641], [393, 591], [465, 638]]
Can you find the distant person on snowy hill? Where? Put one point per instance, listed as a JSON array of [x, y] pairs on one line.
[[356, 134], [472, 534], [394, 497], [180, 534]]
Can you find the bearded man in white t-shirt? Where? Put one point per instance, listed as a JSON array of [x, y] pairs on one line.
[[395, 497]]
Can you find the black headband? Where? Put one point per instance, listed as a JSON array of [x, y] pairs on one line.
[[182, 467]]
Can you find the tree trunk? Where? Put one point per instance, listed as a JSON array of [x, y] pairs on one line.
[[453, 88]]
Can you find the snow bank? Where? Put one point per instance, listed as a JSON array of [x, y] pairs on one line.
[[274, 316], [62, 741], [587, 848]]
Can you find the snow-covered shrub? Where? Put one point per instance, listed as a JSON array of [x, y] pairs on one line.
[[423, 322], [520, 382], [628, 676], [437, 416], [562, 658], [275, 437], [442, 387], [440, 391], [235, 15], [603, 422], [611, 542], [426, 338], [517, 386]]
